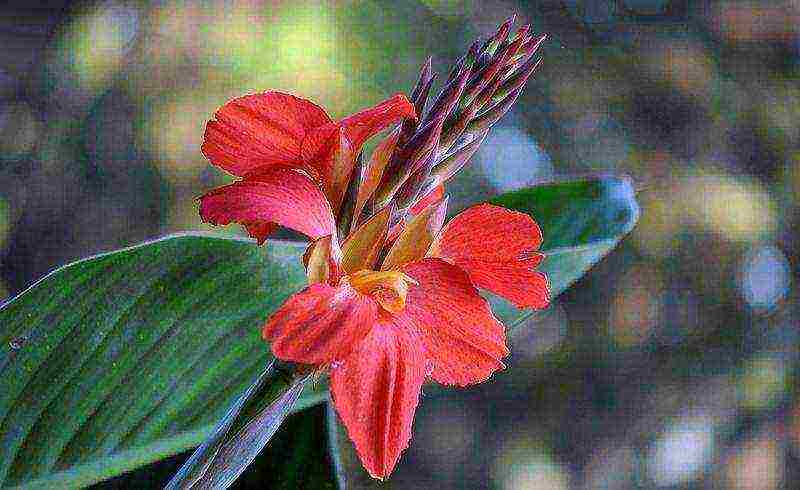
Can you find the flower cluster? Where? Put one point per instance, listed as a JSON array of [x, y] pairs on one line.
[[393, 290]]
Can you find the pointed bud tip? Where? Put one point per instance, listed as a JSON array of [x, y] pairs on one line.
[[428, 66], [425, 73], [535, 44], [505, 28]]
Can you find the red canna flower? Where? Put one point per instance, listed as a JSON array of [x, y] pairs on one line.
[[384, 328], [393, 291], [386, 314], [285, 148]]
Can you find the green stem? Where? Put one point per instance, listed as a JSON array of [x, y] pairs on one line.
[[244, 431]]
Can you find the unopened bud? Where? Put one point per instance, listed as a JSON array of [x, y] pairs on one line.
[[487, 119], [455, 160], [517, 80]]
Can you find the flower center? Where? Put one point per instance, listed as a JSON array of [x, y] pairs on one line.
[[388, 288]]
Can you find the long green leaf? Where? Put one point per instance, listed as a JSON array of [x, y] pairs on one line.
[[136, 353], [122, 359]]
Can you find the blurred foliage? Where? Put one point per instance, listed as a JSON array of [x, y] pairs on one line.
[[673, 364]]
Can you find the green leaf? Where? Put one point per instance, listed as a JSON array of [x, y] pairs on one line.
[[121, 359], [125, 358]]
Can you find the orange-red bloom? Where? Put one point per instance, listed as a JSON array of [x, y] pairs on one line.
[[384, 310], [285, 148]]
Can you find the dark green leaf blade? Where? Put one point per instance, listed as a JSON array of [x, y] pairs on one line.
[[127, 357]]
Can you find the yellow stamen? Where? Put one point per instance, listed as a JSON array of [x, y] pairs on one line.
[[388, 288]]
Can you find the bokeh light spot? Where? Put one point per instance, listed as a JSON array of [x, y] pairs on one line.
[[757, 465], [762, 381], [174, 132], [526, 465], [765, 277], [660, 224], [511, 159], [740, 210], [682, 451], [96, 43], [687, 65], [637, 308]]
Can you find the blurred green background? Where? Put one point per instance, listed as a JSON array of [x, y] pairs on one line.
[[673, 364]]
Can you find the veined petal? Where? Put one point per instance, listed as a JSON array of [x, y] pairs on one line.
[[376, 391], [322, 264], [274, 195], [254, 131], [416, 236], [332, 149], [330, 154], [462, 338], [497, 247], [360, 250], [374, 171], [320, 324], [362, 125]]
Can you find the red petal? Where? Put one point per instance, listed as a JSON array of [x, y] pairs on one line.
[[362, 125], [259, 130], [259, 230], [462, 338], [332, 149], [320, 324], [497, 247], [275, 195], [336, 167], [376, 391]]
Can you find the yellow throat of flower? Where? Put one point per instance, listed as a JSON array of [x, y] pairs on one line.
[[388, 288]]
